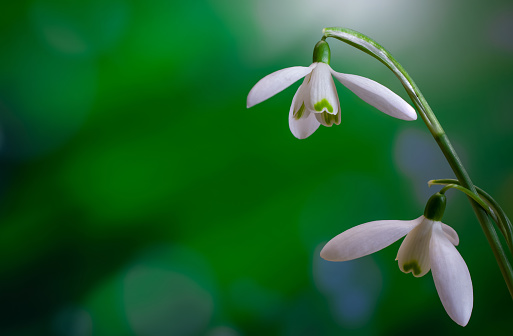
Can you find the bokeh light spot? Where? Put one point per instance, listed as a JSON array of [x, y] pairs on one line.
[[46, 101], [160, 298], [83, 28], [352, 288], [222, 331], [160, 302], [500, 32], [73, 321], [295, 19], [418, 157]]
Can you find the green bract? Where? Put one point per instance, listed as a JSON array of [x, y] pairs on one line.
[[322, 52], [435, 207]]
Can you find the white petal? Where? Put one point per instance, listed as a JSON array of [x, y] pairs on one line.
[[451, 276], [307, 124], [365, 239], [377, 95], [413, 255], [451, 234], [276, 82], [323, 93], [301, 96], [303, 127]]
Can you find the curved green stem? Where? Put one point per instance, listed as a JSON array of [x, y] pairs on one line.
[[470, 194], [500, 217], [372, 48]]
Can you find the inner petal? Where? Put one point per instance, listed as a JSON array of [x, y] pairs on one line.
[[413, 255], [323, 93], [450, 234], [324, 104], [328, 119]]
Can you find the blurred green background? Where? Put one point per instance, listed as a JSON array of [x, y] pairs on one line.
[[139, 196]]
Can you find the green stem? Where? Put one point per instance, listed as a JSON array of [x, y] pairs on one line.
[[372, 48], [499, 216], [470, 194]]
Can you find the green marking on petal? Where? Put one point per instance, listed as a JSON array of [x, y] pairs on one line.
[[329, 119], [324, 103], [299, 113], [412, 266]]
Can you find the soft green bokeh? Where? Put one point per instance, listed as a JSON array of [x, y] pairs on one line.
[[139, 196]]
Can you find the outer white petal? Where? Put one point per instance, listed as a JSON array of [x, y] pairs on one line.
[[451, 276], [323, 93], [307, 124], [303, 127], [413, 255], [301, 96], [366, 238], [276, 82], [451, 234], [377, 95]]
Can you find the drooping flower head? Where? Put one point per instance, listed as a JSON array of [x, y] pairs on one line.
[[316, 101], [429, 245]]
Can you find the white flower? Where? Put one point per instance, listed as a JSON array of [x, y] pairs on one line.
[[316, 101], [429, 244]]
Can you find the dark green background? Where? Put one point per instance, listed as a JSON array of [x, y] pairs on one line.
[[139, 196]]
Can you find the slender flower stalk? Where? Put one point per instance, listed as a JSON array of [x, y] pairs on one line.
[[371, 47]]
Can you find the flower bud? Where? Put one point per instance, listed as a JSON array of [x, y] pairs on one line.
[[435, 207], [322, 52]]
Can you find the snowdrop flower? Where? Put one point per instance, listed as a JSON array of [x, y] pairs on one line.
[[316, 101], [429, 244]]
